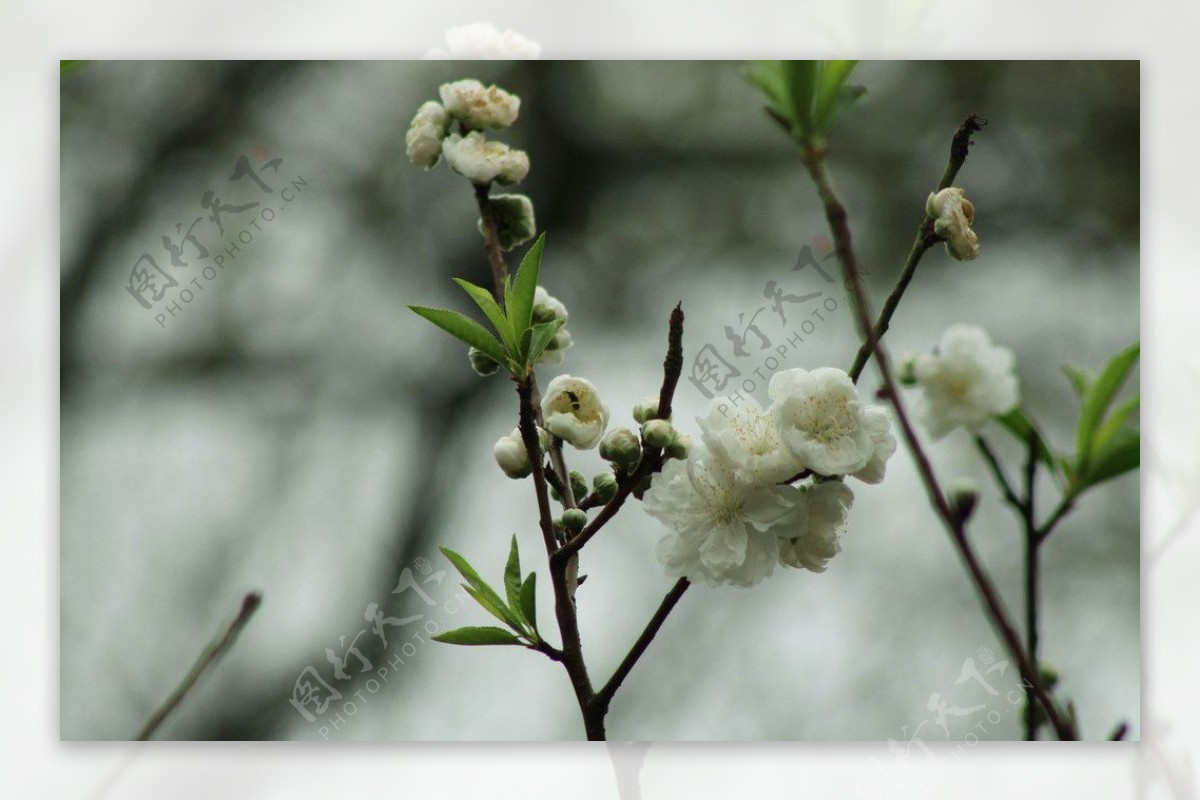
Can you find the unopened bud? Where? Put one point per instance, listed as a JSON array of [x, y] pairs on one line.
[[574, 519], [963, 497], [604, 486], [511, 455], [907, 374], [621, 447], [481, 363], [679, 447], [658, 433], [579, 485], [646, 409]]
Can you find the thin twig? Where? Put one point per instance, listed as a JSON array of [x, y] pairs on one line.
[[989, 456], [604, 697], [207, 659], [1032, 554], [564, 604], [925, 239], [837, 216], [492, 240]]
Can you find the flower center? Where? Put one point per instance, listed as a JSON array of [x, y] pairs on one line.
[[827, 419]]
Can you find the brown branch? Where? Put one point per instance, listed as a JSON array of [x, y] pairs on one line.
[[207, 659], [491, 240], [564, 604], [925, 239], [605, 696], [837, 217]]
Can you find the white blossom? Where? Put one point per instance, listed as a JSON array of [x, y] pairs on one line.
[[826, 505], [482, 161], [952, 216], [721, 529], [483, 40], [879, 426], [745, 437], [573, 412], [820, 419], [479, 106], [965, 381], [423, 142]]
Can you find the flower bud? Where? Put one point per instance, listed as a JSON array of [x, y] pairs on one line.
[[579, 485], [546, 307], [481, 363], [646, 409], [478, 106], [604, 487], [515, 224], [679, 447], [621, 447], [423, 142], [482, 161], [658, 433], [511, 455], [952, 216], [963, 497], [574, 519], [906, 372]]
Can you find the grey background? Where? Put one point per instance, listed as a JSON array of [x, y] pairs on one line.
[[296, 430]]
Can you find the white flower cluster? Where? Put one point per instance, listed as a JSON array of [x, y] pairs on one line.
[[475, 108], [482, 40], [965, 381], [731, 508]]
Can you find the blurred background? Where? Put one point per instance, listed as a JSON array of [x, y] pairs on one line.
[[293, 428]]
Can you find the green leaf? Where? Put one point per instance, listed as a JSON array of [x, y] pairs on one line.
[[519, 300], [1080, 380], [464, 328], [512, 577], [768, 77], [834, 99], [477, 635], [1017, 423], [801, 80], [539, 337], [1120, 454], [484, 300], [1115, 421], [529, 600], [1099, 397], [481, 591]]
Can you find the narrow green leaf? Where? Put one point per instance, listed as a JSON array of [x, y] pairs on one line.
[[496, 608], [512, 577], [529, 601], [519, 301], [464, 328], [768, 77], [1115, 420], [1017, 423], [830, 94], [1080, 380], [539, 337], [477, 635], [1099, 397], [480, 590], [801, 79], [1120, 454], [847, 99], [484, 300]]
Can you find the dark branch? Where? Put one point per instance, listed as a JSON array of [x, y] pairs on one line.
[[604, 697]]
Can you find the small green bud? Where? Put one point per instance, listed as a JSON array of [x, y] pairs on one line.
[[481, 363], [679, 447], [621, 447], [658, 433], [1049, 675], [579, 485], [646, 409], [907, 374], [963, 497], [604, 486], [515, 224], [574, 519]]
